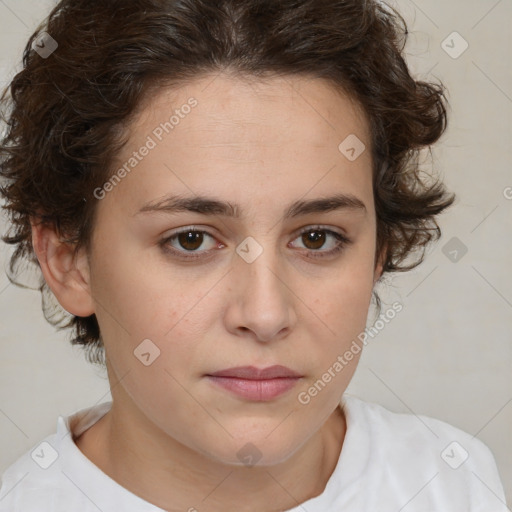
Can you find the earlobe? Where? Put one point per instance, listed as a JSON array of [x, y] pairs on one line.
[[66, 273]]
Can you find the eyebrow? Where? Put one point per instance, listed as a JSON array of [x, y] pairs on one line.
[[212, 206]]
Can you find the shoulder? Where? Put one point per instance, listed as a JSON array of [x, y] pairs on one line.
[[409, 430], [29, 484], [44, 478], [413, 451]]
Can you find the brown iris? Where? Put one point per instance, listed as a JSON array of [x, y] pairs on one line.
[[194, 238], [316, 237]]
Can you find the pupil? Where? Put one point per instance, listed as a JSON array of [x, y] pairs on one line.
[[317, 237], [189, 238]]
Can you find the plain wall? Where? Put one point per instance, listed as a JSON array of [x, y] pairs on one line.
[[447, 354]]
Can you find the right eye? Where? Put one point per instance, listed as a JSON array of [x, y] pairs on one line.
[[189, 239]]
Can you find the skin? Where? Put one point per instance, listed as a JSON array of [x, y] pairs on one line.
[[172, 436]]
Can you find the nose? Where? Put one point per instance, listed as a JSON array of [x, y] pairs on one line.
[[261, 303]]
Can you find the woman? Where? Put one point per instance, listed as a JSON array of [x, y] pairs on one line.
[[212, 190]]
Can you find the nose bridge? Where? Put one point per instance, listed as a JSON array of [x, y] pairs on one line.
[[261, 268], [263, 303]]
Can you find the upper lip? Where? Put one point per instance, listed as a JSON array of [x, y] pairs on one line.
[[253, 373]]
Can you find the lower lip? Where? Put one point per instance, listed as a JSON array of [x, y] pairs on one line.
[[256, 390]]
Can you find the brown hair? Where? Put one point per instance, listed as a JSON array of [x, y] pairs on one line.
[[63, 112]]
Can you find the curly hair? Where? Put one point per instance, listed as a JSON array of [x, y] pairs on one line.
[[63, 114]]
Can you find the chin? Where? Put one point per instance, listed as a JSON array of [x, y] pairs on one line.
[[254, 451]]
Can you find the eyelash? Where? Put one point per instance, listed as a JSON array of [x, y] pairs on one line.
[[343, 241]]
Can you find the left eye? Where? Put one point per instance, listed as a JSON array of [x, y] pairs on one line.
[[317, 236]]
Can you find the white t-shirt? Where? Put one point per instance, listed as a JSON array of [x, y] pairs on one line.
[[389, 462]]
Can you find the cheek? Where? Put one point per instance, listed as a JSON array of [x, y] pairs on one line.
[[149, 313], [348, 297], [344, 317], [343, 307], [134, 289], [333, 357]]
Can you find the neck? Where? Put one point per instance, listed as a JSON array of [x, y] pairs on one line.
[[149, 463]]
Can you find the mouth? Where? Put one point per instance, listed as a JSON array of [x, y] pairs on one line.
[[256, 384]]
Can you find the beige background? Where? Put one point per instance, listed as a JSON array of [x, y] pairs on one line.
[[448, 353]]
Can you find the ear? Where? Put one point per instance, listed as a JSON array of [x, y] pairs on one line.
[[380, 264], [66, 273]]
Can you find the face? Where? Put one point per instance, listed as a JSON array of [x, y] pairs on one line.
[[258, 282]]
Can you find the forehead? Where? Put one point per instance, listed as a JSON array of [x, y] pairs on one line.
[[231, 106], [247, 136]]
